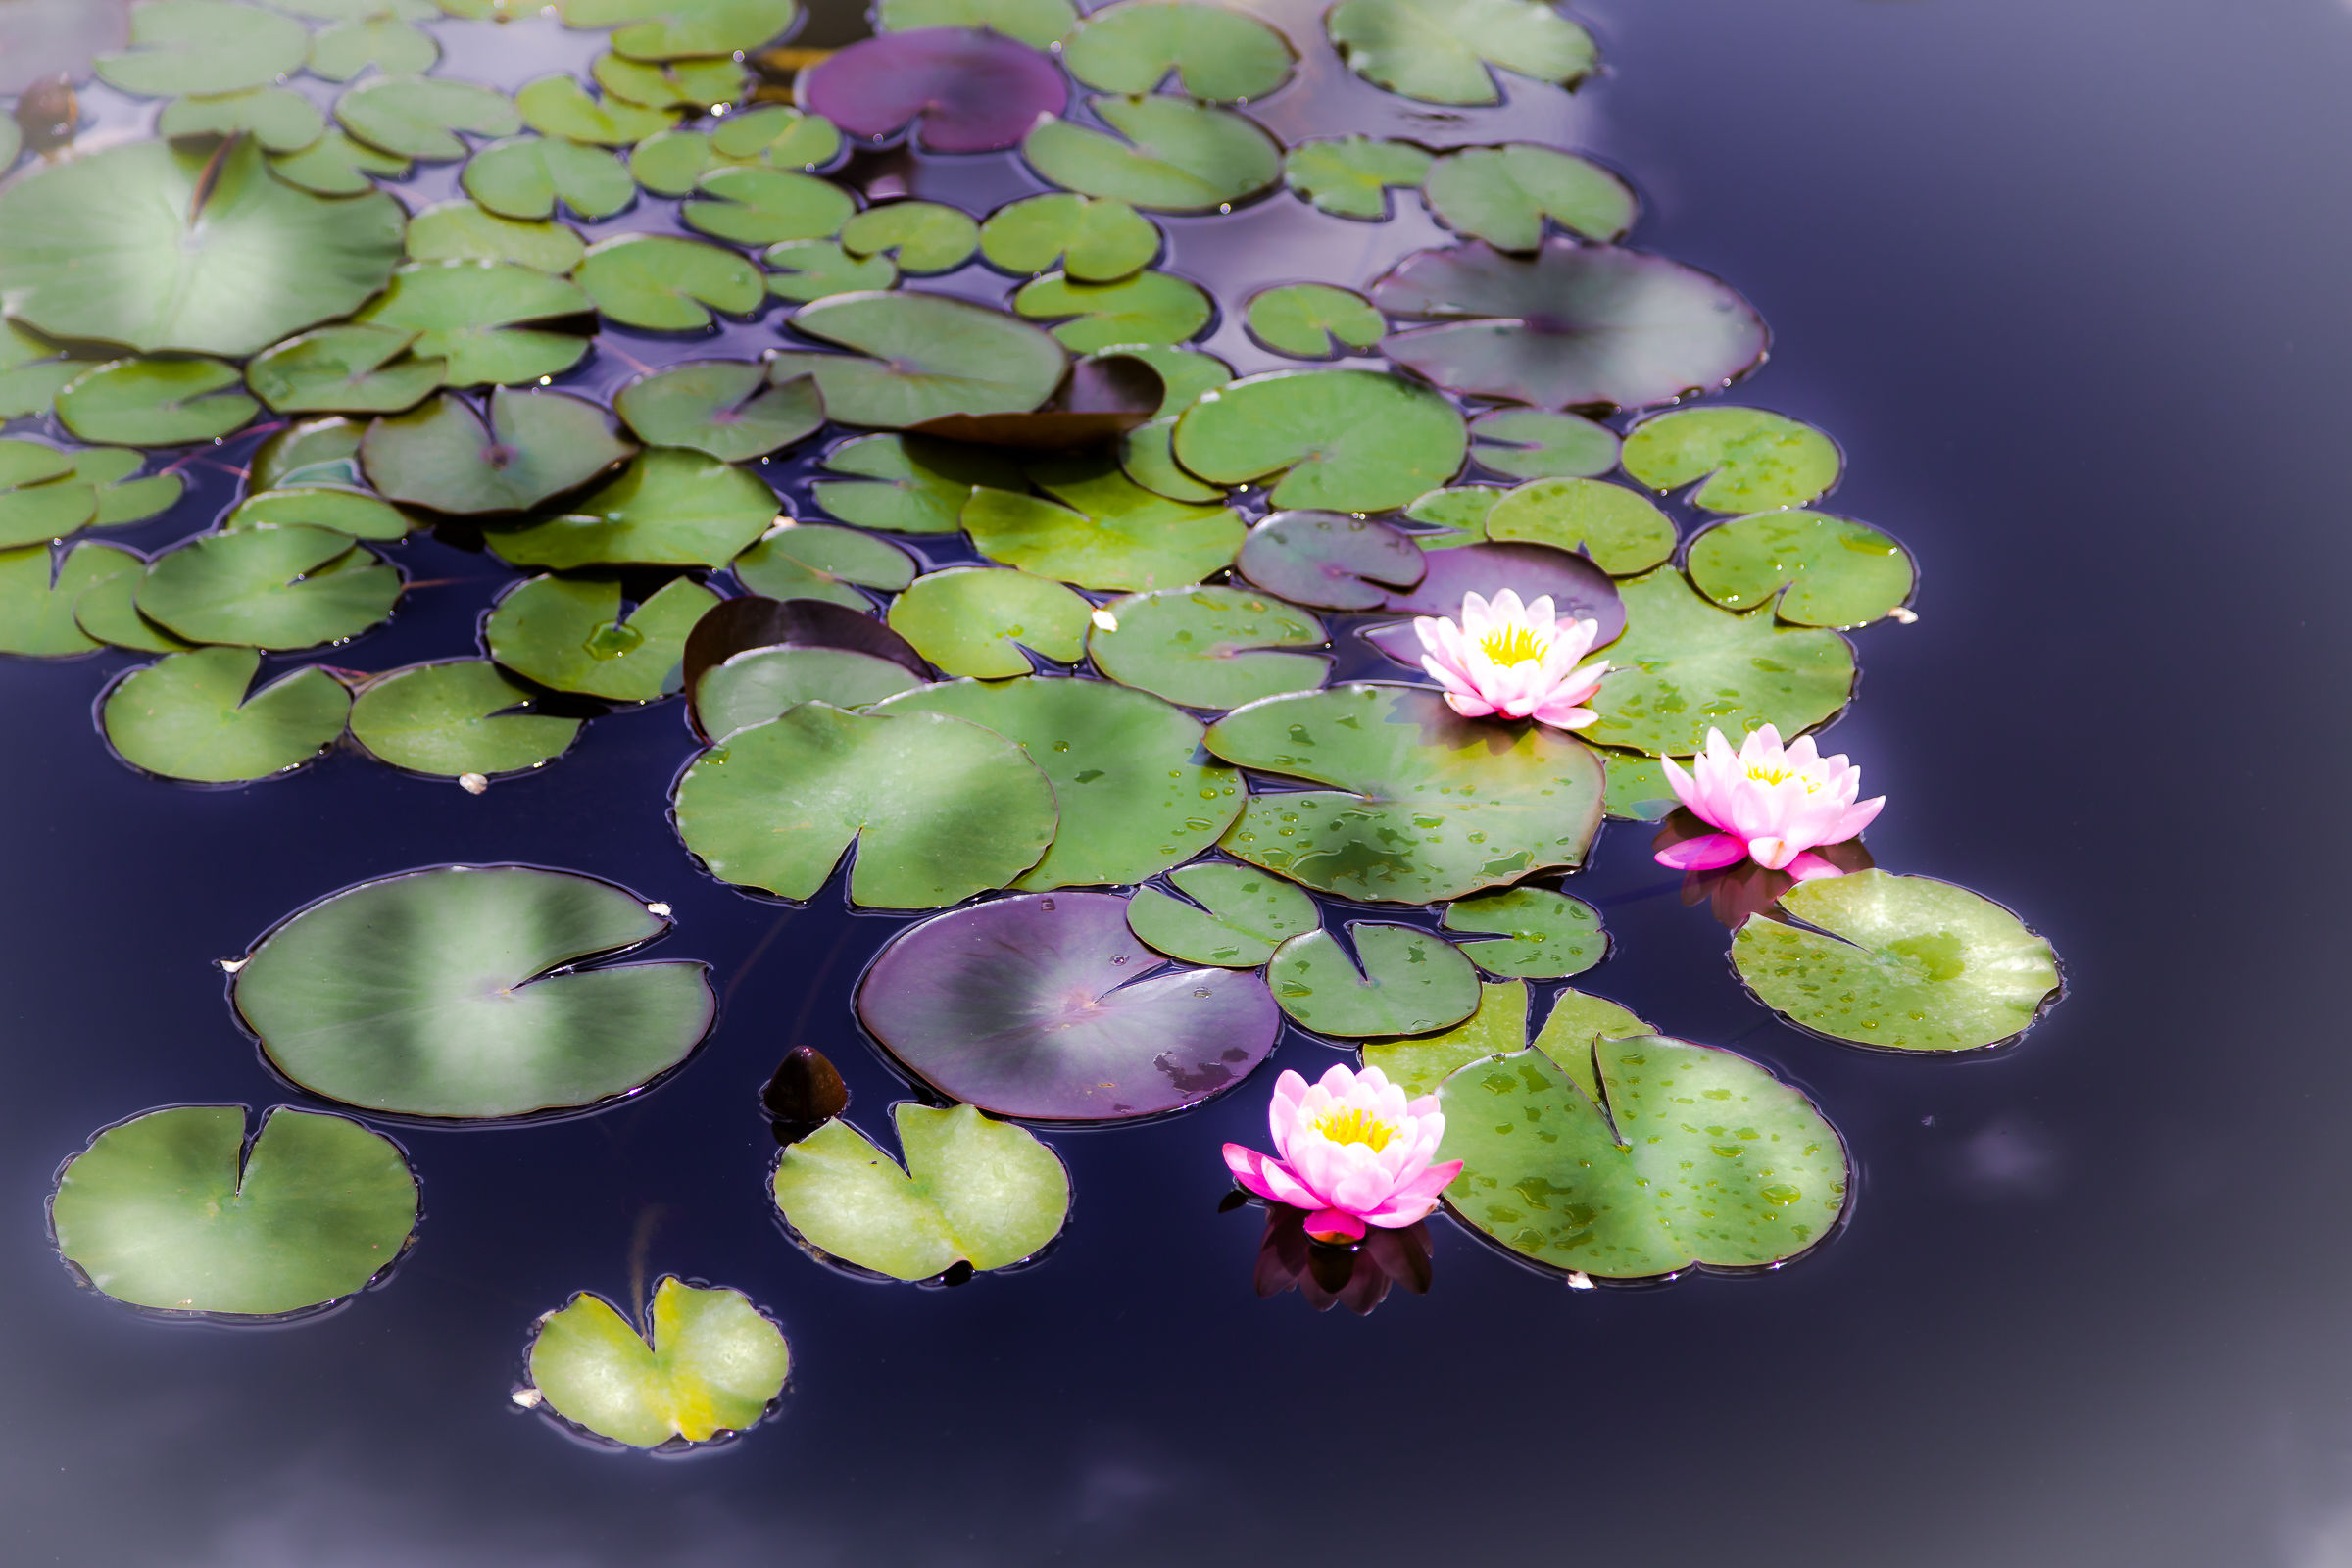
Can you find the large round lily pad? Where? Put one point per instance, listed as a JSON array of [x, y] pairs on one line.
[[570, 635], [276, 587], [761, 683], [188, 717], [713, 1364], [1177, 156], [668, 507], [725, 407], [1401, 981], [1330, 561], [1046, 1008], [1906, 963], [1094, 239], [1439, 51], [456, 716], [533, 447], [978, 620], [1207, 647], [1752, 459], [1815, 569], [1215, 53], [479, 317], [469, 992], [666, 285], [921, 357], [1335, 440], [963, 90], [1238, 915], [170, 1210], [203, 46]]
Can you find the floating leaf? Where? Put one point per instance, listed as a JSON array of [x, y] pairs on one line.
[[1207, 647], [1907, 964], [975, 1191], [661, 283], [472, 313], [204, 46], [1315, 321], [1040, 22], [1147, 453], [1502, 195], [136, 244], [910, 484], [456, 716], [920, 236], [1499, 1028], [350, 369], [39, 497], [1529, 444], [1349, 177], [696, 84], [810, 561], [1617, 528], [188, 717], [976, 621], [1178, 157], [1093, 239], [122, 497], [960, 91], [1132, 802], [1111, 532], [754, 206], [393, 47], [421, 117], [1330, 561], [1216, 54], [268, 587], [725, 408], [1410, 983], [715, 1364], [309, 452], [1545, 935], [466, 991], [681, 30], [1239, 915], [1340, 440], [38, 588], [810, 269], [558, 105], [1570, 325], [171, 1210], [1046, 1008], [154, 403], [666, 509], [534, 446], [939, 810], [760, 685], [571, 636], [930, 355], [349, 512], [1149, 308], [1685, 666], [32, 371], [1637, 788], [336, 165], [744, 624], [1425, 804], [1836, 572], [778, 135], [460, 231], [524, 178], [1752, 461], [1439, 51], [281, 120]]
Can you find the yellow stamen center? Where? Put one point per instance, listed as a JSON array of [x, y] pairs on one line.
[[1514, 645], [1353, 1126], [1765, 774]]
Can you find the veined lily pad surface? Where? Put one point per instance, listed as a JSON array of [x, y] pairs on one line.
[[1540, 934], [533, 446], [929, 355], [1814, 568], [1500, 1027], [1235, 918], [1207, 647], [188, 717], [1401, 981], [1752, 459], [1329, 440], [457, 717], [1169, 155], [1441, 51], [714, 1363]]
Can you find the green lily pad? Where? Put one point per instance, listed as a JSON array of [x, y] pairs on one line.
[[1906, 963], [154, 403], [1339, 440], [107, 609], [1216, 54], [975, 1191], [1147, 454], [32, 371], [39, 498], [188, 717], [534, 446], [939, 810], [725, 407], [38, 587], [1315, 321], [1499, 1028], [170, 1210], [1149, 308], [1836, 571], [663, 284], [1637, 788], [460, 231], [275, 587], [475, 314], [1752, 461], [683, 29], [920, 236], [571, 636], [1503, 195], [1617, 528], [558, 105], [471, 992], [1439, 51], [1132, 802], [345, 369], [1410, 982], [1423, 804], [1109, 532], [1688, 1155], [930, 357], [1037, 22], [1178, 157], [421, 117], [393, 47], [348, 512], [524, 178], [1530, 444], [713, 1364], [977, 620], [761, 683], [1094, 239], [1209, 647], [1330, 561], [811, 560], [336, 165], [1685, 666], [1350, 177], [667, 508], [1545, 935], [281, 120], [778, 135], [697, 84], [810, 269], [1237, 917], [122, 497], [456, 716], [207, 46], [321, 451], [756, 205], [910, 484]]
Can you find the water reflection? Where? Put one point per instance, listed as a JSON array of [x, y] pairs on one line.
[[1736, 892], [1357, 1277]]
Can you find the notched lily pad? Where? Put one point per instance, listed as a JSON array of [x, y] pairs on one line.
[[422, 117], [345, 369], [1238, 915], [666, 285], [1441, 51], [1530, 444], [683, 29], [1147, 309], [1216, 54], [493, 322], [1330, 561], [917, 356], [210, 46], [919, 236], [758, 205], [1101, 529], [1350, 177], [1814, 568], [1541, 934], [1335, 440], [668, 507], [187, 716], [532, 447], [1094, 239], [1504, 195], [1207, 647], [1403, 981], [810, 269], [725, 407], [977, 620], [40, 588], [962, 90], [154, 403], [812, 561], [456, 716], [760, 684], [1617, 528], [1500, 1027], [1752, 461], [278, 586], [713, 1364], [1314, 322], [526, 176], [558, 105], [1177, 156], [571, 636]]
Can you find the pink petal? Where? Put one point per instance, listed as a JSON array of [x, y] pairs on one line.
[[1855, 818], [1808, 865], [1706, 853], [1267, 1178], [1774, 854], [1334, 1225]]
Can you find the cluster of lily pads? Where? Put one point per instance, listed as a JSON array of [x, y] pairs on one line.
[[1046, 653]]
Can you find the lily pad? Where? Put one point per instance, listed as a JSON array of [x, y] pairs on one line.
[[1439, 51], [525, 177], [204, 46], [476, 316], [683, 29], [1403, 981], [1530, 444], [725, 408], [1238, 915], [32, 369], [910, 484], [1177, 157], [170, 1210], [977, 620], [1208, 647], [558, 105], [460, 231], [38, 588], [919, 236], [1836, 571], [1038, 23], [349, 512], [713, 1364], [1339, 440], [1147, 453], [106, 609], [756, 206], [1423, 804], [1315, 321], [1046, 1008], [1616, 528], [275, 587], [456, 716], [1637, 788], [1569, 327], [1148, 308], [1216, 54], [1499, 1028], [1107, 532], [663, 283], [281, 120], [336, 165], [39, 497], [810, 269], [534, 446], [1752, 461], [1503, 195], [154, 403], [123, 496], [1689, 1154], [668, 507], [1350, 177], [938, 809], [696, 84], [393, 47], [962, 91], [761, 683], [322, 451], [930, 355], [1132, 802], [1901, 962], [421, 117], [187, 716], [1545, 935], [1094, 239], [1685, 666], [740, 625], [777, 135], [811, 560], [345, 369], [571, 636], [975, 1191], [1330, 561]]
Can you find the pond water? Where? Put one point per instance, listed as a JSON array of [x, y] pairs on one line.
[[2062, 283]]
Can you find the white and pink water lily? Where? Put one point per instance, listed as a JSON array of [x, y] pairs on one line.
[[1351, 1149], [1515, 660], [1768, 802]]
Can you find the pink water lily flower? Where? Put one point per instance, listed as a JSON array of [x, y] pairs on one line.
[[1514, 660], [1352, 1151], [1768, 802]]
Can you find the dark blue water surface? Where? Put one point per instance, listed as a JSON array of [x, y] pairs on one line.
[[2067, 281]]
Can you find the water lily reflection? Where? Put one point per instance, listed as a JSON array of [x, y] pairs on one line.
[[1357, 1277], [1514, 660], [1732, 893]]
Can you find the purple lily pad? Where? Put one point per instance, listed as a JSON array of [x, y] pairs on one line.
[[1570, 326], [1046, 1008], [965, 90], [1579, 590], [1330, 561]]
